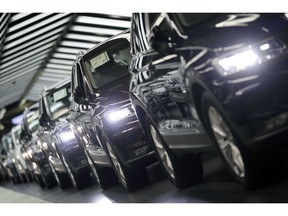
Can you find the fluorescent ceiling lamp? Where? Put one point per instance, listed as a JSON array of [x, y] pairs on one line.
[[33, 47], [68, 50], [95, 30], [63, 56], [26, 22], [19, 16], [36, 27], [26, 61], [104, 21], [60, 61], [77, 44], [31, 42], [57, 66], [39, 32], [12, 76], [54, 71], [33, 53], [86, 37]]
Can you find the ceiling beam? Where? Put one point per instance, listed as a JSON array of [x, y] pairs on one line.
[[38, 73]]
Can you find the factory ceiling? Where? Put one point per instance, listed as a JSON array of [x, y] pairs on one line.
[[37, 50]]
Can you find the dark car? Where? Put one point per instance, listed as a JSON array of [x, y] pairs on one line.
[[65, 156], [29, 137], [3, 156], [162, 107], [103, 84], [232, 71], [9, 163]]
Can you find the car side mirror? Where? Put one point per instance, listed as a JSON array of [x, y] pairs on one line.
[[79, 97], [44, 121], [160, 40]]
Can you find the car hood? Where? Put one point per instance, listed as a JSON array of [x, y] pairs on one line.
[[117, 93], [237, 29]]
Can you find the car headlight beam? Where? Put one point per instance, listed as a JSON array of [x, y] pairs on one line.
[[238, 62], [251, 56], [67, 135], [117, 115]]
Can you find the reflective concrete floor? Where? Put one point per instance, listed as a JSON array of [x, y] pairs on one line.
[[217, 187]]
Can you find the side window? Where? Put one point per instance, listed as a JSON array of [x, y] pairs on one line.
[[40, 106], [73, 81]]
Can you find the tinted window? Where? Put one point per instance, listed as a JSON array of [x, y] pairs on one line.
[[32, 120], [192, 19], [108, 63], [59, 101]]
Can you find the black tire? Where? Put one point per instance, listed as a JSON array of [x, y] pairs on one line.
[[46, 180], [104, 176], [79, 181], [62, 179], [40, 181], [26, 176], [15, 179], [182, 170], [131, 178], [250, 169]]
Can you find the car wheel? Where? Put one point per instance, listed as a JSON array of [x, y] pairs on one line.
[[61, 178], [249, 168], [79, 181], [13, 175], [49, 180], [130, 178], [28, 175], [182, 170], [104, 176], [45, 180]]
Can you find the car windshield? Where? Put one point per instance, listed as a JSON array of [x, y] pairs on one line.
[[108, 64], [191, 19], [59, 101]]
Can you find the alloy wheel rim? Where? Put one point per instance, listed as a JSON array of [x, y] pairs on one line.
[[54, 173], [70, 173], [166, 161], [117, 164], [226, 142], [93, 170]]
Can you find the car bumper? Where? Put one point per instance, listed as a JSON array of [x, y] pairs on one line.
[[259, 109], [76, 157], [130, 140]]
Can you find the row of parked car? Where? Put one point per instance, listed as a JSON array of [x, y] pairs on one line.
[[169, 89]]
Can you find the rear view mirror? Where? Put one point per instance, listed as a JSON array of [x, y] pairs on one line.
[[44, 121]]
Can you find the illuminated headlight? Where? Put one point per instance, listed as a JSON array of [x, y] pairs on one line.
[[117, 115], [67, 135], [246, 58], [29, 152], [238, 62], [44, 145], [25, 155]]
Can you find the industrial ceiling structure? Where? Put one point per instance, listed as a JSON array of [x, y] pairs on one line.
[[38, 49]]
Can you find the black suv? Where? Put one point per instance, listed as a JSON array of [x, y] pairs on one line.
[[9, 162], [65, 156], [28, 135], [102, 81], [162, 107], [232, 70]]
